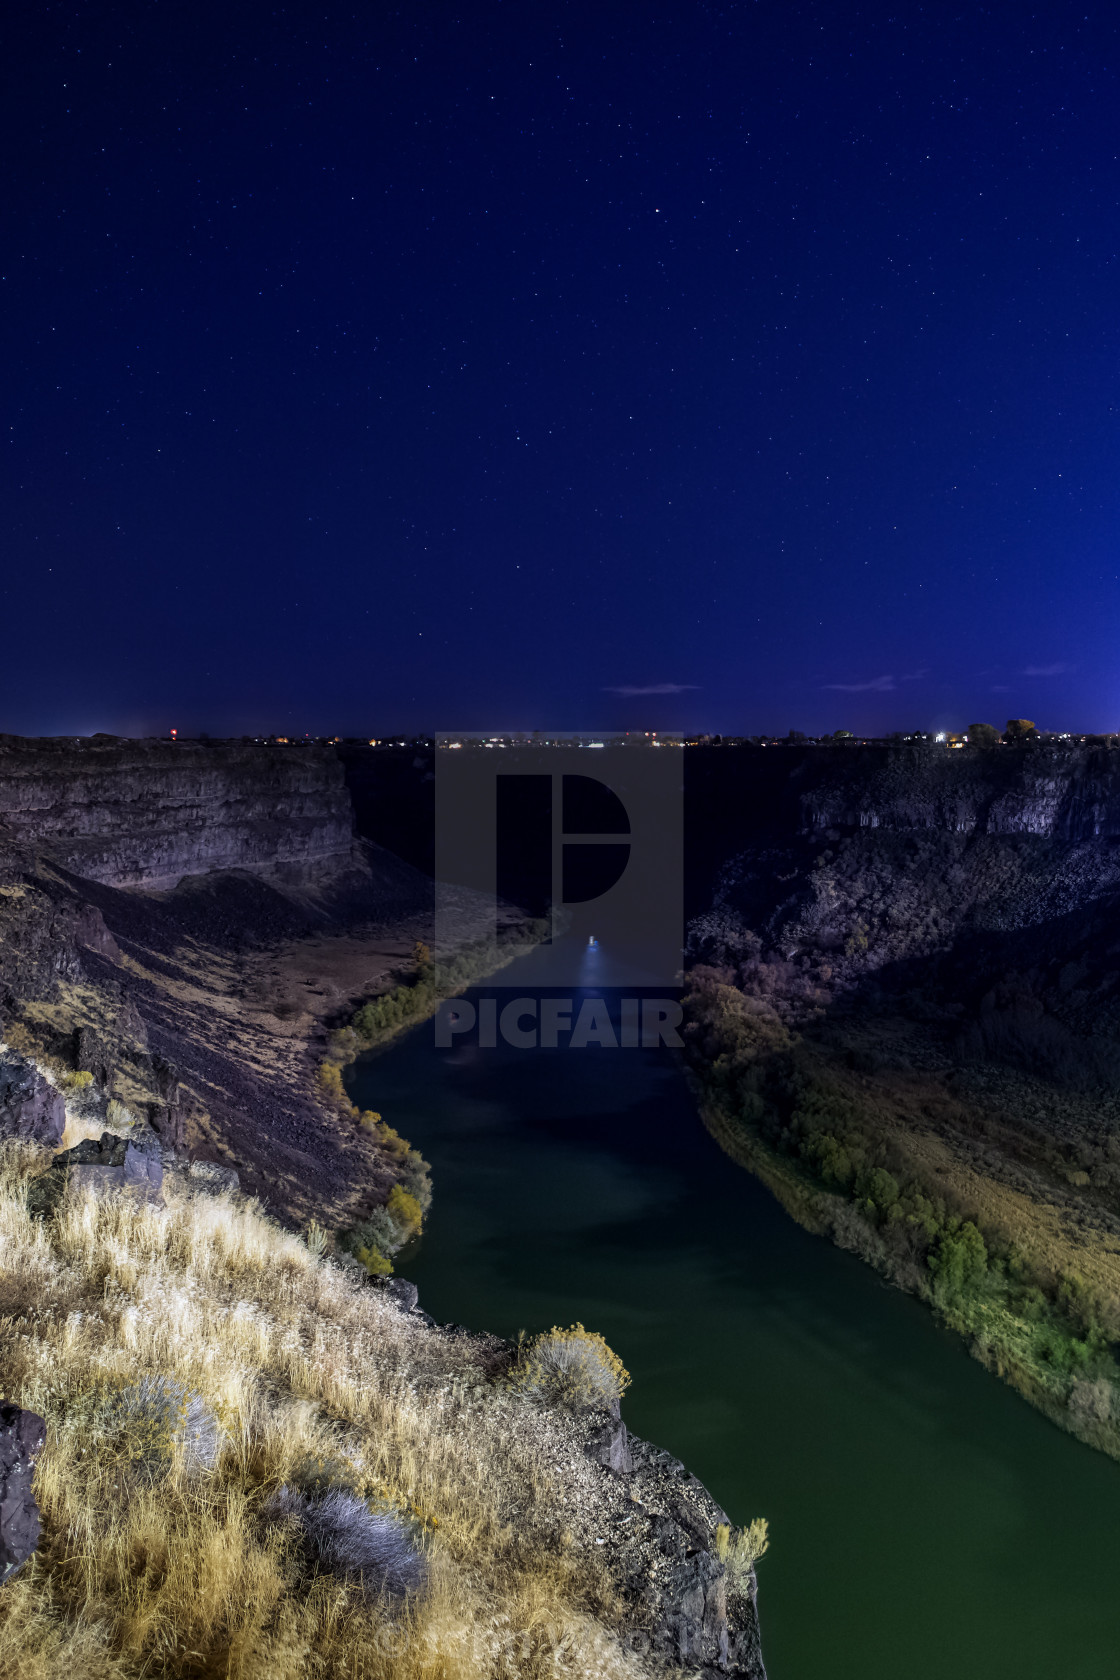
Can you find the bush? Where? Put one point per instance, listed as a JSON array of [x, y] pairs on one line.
[[879, 1190], [740, 1551], [343, 1045], [1094, 1402], [161, 1419], [330, 1083], [316, 1238], [574, 1366], [959, 1263], [831, 1160], [405, 1209], [349, 1540], [415, 1173], [384, 1231]]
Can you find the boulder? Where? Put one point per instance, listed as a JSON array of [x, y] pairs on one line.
[[110, 1163], [30, 1107], [21, 1438], [610, 1446], [405, 1294]]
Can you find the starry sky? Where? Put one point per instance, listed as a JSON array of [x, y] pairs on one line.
[[736, 367]]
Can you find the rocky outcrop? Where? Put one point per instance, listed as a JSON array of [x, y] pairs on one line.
[[1062, 792], [651, 1525], [148, 813], [776, 796], [22, 1435], [698, 1614], [110, 1163], [30, 1107]]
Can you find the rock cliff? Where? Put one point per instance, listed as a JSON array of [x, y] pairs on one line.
[[147, 813], [1058, 791]]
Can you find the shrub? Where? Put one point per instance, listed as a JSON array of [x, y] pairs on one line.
[[880, 1190], [159, 1420], [405, 1209], [831, 1159], [414, 1171], [330, 1081], [740, 1550], [77, 1081], [378, 1230], [1094, 1402], [343, 1045], [116, 1114], [959, 1263], [375, 1263], [385, 1230], [349, 1540], [856, 942], [574, 1366]]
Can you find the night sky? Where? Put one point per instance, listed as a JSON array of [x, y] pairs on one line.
[[741, 367]]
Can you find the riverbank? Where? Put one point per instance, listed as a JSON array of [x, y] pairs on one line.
[[782, 1371], [886, 1164]]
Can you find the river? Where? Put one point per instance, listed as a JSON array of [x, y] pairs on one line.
[[926, 1523]]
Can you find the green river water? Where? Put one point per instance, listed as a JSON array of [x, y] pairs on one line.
[[925, 1523]]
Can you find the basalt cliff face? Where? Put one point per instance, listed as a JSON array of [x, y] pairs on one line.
[[865, 858], [1064, 793], [148, 813], [180, 923]]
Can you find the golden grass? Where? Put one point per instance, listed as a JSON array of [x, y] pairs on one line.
[[186, 1575]]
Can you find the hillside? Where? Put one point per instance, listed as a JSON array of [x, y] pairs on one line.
[[258, 1464], [906, 1017]]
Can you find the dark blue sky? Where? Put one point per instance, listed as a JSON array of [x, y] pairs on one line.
[[371, 367]]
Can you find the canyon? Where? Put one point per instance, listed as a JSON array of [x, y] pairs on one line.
[[182, 925]]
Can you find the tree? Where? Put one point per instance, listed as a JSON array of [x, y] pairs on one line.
[[983, 734], [959, 1264], [1020, 729]]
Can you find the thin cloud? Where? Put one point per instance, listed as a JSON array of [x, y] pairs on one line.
[[1046, 670], [877, 685], [914, 676], [630, 689]]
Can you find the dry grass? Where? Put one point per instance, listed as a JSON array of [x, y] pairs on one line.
[[184, 1571]]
